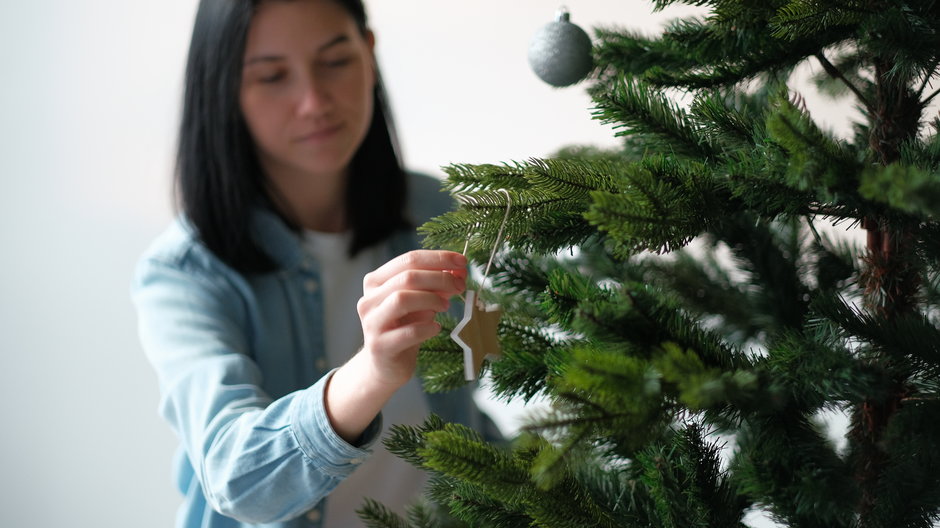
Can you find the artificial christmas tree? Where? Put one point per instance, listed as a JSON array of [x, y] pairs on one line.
[[687, 385]]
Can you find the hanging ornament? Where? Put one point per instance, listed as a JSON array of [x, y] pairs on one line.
[[476, 333], [560, 52]]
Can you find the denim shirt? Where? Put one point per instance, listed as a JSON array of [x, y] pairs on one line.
[[241, 367]]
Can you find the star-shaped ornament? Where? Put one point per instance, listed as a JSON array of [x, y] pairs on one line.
[[476, 334]]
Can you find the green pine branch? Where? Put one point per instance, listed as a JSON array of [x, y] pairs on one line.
[[911, 489], [906, 188], [471, 505], [806, 18], [817, 161], [545, 204], [787, 464], [636, 109], [661, 205], [375, 515], [688, 484], [912, 340]]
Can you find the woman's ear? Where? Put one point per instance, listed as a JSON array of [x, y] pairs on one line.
[[370, 42]]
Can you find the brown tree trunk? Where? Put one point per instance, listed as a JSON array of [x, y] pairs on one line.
[[890, 280]]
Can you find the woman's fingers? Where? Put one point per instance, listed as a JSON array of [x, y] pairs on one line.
[[398, 305], [444, 285], [425, 316], [430, 260], [399, 302], [415, 271], [458, 273], [406, 338]]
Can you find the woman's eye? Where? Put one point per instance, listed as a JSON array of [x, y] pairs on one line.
[[337, 63], [271, 78]]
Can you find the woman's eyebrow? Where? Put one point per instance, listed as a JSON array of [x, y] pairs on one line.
[[339, 39]]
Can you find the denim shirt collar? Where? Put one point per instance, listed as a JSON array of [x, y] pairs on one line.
[[283, 245], [276, 239]]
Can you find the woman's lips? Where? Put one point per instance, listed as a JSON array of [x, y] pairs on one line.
[[320, 134]]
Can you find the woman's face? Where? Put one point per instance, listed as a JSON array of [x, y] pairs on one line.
[[307, 86]]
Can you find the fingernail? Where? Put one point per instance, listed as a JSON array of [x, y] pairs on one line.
[[460, 260]]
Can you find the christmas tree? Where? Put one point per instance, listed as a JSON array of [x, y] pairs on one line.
[[686, 302]]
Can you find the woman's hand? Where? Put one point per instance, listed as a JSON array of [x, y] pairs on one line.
[[397, 309], [398, 306]]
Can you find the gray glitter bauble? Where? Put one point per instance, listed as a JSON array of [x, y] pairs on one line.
[[560, 52]]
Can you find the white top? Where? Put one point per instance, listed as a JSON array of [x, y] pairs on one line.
[[384, 477]]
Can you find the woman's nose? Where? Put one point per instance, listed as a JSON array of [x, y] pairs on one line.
[[314, 98]]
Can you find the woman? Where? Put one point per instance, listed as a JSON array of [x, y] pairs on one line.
[[272, 374]]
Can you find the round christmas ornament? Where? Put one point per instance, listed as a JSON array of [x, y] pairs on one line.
[[560, 52]]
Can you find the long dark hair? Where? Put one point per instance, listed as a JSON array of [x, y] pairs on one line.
[[219, 180]]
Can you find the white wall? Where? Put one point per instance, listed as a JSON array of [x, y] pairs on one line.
[[88, 106], [88, 97]]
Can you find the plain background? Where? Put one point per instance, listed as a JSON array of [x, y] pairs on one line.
[[88, 105]]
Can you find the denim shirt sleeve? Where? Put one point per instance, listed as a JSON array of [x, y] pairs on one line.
[[257, 460]]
